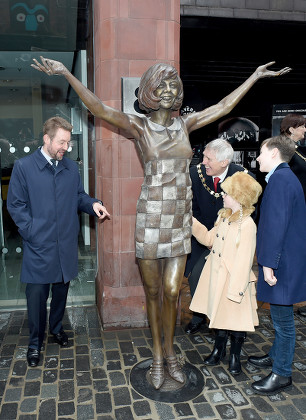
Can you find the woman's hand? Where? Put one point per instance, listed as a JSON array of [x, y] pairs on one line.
[[262, 71], [49, 67]]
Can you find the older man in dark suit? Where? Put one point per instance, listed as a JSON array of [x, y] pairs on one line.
[[207, 201], [44, 197], [281, 256]]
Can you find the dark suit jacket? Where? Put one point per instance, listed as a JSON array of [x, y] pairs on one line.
[[298, 166], [205, 208], [281, 239], [45, 208]]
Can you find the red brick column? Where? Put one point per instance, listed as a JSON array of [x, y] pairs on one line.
[[129, 36]]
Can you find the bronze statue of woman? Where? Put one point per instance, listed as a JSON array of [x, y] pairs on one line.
[[164, 214]]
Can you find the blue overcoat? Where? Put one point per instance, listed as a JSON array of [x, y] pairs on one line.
[[281, 239], [45, 205]]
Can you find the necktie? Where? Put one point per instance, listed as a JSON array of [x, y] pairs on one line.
[[216, 180], [53, 164]]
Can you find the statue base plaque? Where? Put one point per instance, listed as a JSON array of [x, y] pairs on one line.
[[171, 391]]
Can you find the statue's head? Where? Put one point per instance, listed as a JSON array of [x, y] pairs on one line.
[[150, 81]]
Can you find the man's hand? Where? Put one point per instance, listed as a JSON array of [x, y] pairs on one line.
[[100, 210], [269, 276]]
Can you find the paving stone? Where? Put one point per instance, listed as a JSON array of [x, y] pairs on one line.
[[49, 376], [51, 362], [249, 414], [66, 374], [112, 344], [289, 412], [85, 395], [144, 352], [113, 366], [82, 363], [5, 362], [193, 357], [98, 373], [13, 394], [85, 412], [2, 387], [216, 397], [142, 408], [183, 409], [47, 410], [226, 411], [129, 359], [27, 417], [204, 411], [221, 375], [33, 374], [124, 413], [31, 389], [113, 355], [117, 378], [235, 396], [16, 381], [84, 379], [164, 411], [20, 368], [66, 408], [262, 405], [300, 404], [9, 411], [97, 358], [66, 390], [48, 391], [82, 349], [126, 347], [96, 344], [100, 385], [67, 364], [28, 405], [103, 403], [121, 396]]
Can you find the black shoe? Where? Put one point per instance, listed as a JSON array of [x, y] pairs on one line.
[[61, 338], [262, 362], [302, 311], [193, 328], [234, 364], [33, 356], [272, 384]]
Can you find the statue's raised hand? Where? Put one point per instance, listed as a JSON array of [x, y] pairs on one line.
[[262, 71], [49, 67]]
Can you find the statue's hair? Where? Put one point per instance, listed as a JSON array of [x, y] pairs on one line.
[[150, 81]]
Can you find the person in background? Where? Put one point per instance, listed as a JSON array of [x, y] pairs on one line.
[[226, 290], [207, 200], [281, 257], [44, 197], [293, 126]]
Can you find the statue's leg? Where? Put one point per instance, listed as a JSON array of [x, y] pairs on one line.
[[151, 272], [172, 281]]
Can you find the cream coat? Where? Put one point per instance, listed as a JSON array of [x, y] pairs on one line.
[[226, 290]]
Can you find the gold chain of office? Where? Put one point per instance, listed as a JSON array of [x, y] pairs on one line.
[[211, 192], [301, 156], [216, 195]]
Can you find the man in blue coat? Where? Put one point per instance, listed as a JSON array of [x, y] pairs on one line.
[[44, 197], [281, 256], [207, 201]]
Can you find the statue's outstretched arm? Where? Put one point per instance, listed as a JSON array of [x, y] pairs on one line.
[[208, 115], [91, 101]]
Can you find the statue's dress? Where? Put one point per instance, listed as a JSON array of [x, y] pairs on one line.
[[164, 212]]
